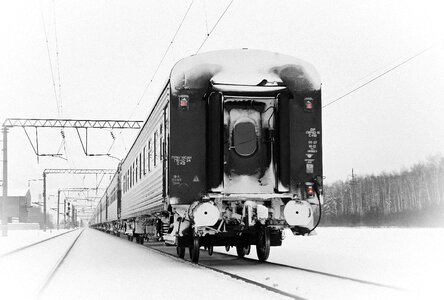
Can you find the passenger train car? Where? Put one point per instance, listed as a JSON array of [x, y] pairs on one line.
[[230, 155]]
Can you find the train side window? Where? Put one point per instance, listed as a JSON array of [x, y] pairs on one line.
[[161, 143], [131, 176], [140, 165], [155, 148], [150, 155], [144, 160], [137, 169]]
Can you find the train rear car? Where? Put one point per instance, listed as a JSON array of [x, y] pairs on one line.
[[230, 155], [245, 157]]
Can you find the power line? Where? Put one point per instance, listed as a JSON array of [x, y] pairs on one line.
[[57, 58], [215, 25], [157, 69], [378, 76], [49, 58], [163, 57]]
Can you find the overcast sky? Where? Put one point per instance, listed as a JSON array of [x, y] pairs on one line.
[[110, 49]]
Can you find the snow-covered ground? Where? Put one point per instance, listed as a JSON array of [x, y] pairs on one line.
[[101, 266], [19, 238], [408, 258], [23, 274]]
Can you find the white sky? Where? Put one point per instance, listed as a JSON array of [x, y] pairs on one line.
[[109, 50]]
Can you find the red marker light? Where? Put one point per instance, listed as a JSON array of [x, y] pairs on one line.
[[308, 104], [310, 191], [183, 102]]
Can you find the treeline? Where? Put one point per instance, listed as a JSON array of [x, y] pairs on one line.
[[413, 197]]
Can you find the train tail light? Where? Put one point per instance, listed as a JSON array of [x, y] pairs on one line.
[[308, 104], [310, 191], [183, 102]]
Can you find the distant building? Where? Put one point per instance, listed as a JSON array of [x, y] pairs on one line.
[[19, 210]]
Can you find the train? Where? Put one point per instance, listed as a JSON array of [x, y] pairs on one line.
[[230, 155]]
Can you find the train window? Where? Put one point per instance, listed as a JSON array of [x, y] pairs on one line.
[[155, 148], [140, 165], [137, 169], [161, 149], [144, 160], [149, 156], [161, 143], [132, 175], [245, 138]]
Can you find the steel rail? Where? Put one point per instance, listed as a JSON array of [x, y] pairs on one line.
[[264, 286], [361, 281], [322, 273], [57, 266], [33, 244]]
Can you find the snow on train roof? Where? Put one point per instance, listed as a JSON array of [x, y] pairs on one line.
[[244, 67]]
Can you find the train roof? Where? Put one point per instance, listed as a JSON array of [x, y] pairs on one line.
[[244, 67]]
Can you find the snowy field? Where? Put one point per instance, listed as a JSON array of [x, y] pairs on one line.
[[101, 266]]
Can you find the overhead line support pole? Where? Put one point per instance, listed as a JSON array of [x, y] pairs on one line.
[[58, 208], [44, 201], [5, 182]]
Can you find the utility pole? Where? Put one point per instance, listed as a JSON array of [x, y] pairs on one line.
[[44, 201], [58, 208], [64, 213], [5, 182]]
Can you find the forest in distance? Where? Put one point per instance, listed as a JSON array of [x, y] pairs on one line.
[[412, 197]]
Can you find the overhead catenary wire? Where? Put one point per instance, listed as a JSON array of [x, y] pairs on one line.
[[163, 58], [157, 69], [57, 58], [49, 58], [215, 25], [378, 76]]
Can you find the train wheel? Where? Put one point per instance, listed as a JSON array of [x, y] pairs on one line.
[[263, 244], [180, 251], [240, 250], [195, 250], [243, 250], [210, 250]]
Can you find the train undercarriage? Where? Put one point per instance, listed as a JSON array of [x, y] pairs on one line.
[[216, 222]]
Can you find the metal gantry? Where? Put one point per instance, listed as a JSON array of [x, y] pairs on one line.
[[64, 201], [72, 123], [68, 171], [52, 123]]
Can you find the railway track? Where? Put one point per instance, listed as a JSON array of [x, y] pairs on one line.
[[38, 261], [286, 280], [288, 285], [33, 244]]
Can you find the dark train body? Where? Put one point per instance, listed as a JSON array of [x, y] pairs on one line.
[[230, 155]]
